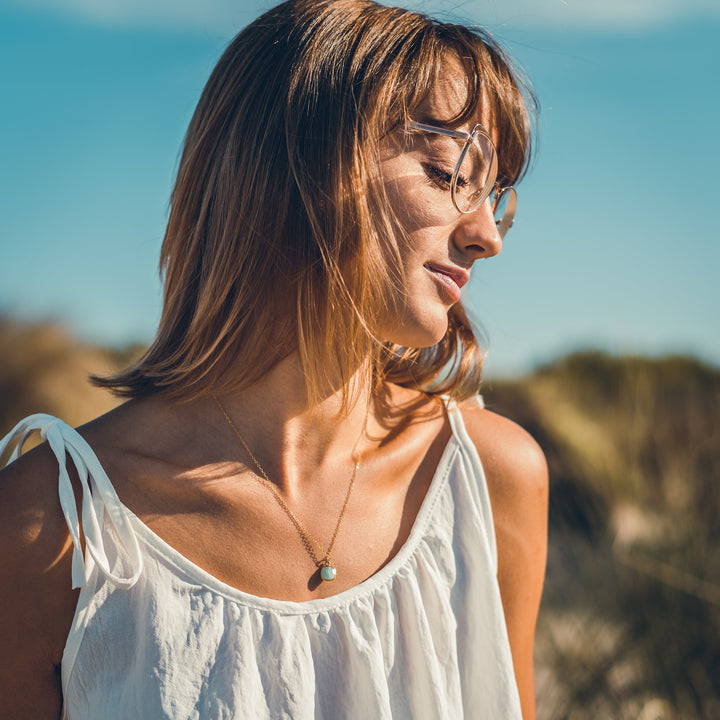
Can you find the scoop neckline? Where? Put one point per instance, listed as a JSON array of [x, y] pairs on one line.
[[332, 602]]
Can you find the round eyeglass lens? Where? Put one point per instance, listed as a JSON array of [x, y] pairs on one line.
[[475, 174], [504, 205]]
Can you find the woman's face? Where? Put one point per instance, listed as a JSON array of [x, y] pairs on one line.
[[439, 244]]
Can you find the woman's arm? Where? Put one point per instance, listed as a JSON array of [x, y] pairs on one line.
[[517, 479], [37, 602]]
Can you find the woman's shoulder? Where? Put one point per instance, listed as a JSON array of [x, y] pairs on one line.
[[37, 601], [518, 485], [517, 481], [29, 484], [513, 461], [29, 507], [34, 532]]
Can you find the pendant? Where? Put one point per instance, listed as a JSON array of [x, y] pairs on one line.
[[328, 572]]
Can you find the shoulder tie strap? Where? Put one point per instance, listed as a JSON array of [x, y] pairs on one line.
[[97, 494], [479, 483]]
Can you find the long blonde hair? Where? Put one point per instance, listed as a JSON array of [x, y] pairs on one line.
[[274, 241]]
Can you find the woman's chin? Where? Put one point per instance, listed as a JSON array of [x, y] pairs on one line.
[[419, 334]]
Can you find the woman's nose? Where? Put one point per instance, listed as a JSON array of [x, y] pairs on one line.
[[476, 233]]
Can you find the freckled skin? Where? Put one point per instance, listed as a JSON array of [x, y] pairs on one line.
[[435, 232]]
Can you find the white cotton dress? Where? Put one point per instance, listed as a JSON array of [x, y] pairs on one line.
[[155, 637]]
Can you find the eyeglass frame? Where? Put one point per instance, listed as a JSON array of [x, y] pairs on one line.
[[491, 184]]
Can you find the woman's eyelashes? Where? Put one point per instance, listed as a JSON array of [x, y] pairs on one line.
[[437, 176], [442, 178]]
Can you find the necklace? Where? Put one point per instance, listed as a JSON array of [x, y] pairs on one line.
[[322, 560]]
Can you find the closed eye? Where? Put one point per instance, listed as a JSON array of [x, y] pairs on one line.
[[441, 178]]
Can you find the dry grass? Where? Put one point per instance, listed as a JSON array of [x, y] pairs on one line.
[[43, 369], [630, 622]]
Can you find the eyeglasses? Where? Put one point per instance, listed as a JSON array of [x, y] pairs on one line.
[[473, 179]]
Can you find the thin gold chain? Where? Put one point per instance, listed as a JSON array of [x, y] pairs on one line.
[[305, 535]]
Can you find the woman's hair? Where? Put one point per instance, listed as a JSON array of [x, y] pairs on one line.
[[277, 238]]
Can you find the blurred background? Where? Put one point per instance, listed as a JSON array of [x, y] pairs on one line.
[[601, 313]]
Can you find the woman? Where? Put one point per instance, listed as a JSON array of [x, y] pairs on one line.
[[290, 516]]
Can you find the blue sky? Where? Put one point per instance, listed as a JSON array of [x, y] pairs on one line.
[[616, 243]]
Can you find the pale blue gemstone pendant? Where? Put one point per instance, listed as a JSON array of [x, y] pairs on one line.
[[328, 572]]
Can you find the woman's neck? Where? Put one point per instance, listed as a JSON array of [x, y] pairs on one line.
[[292, 437]]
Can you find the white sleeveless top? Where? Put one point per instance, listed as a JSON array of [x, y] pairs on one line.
[[156, 637]]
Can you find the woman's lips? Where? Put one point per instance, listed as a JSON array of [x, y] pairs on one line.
[[452, 279]]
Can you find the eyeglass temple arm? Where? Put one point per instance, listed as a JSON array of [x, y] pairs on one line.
[[438, 130]]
